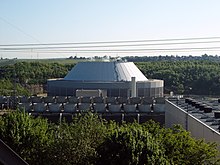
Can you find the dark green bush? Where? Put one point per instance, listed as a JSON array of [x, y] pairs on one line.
[[91, 140], [27, 136]]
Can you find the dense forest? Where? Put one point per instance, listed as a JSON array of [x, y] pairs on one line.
[[172, 58], [28, 74], [185, 77], [200, 77], [91, 140]]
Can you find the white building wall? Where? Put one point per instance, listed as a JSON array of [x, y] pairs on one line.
[[198, 129], [174, 115]]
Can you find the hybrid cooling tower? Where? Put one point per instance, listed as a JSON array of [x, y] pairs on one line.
[[113, 79]]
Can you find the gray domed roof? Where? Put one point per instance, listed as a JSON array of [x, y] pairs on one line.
[[105, 72]]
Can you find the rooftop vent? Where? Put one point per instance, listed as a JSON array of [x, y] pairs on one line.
[[197, 105], [201, 107], [193, 103], [188, 100], [207, 109], [217, 114]]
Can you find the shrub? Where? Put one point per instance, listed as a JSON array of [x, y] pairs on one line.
[[27, 136]]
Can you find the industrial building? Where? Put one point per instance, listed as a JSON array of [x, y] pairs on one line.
[[111, 79], [201, 117]]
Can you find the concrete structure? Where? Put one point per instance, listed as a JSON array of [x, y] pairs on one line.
[[133, 87], [199, 117], [87, 93], [112, 78], [128, 109]]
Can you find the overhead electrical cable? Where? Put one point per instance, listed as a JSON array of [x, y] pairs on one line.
[[127, 52], [135, 46], [19, 29], [111, 42], [102, 46], [156, 49]]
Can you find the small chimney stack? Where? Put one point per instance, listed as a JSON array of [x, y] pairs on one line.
[[133, 87]]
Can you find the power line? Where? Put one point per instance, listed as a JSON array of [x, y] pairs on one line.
[[19, 29], [127, 52], [102, 46], [122, 50], [138, 46], [111, 42]]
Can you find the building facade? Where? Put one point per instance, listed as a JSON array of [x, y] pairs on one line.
[[112, 78]]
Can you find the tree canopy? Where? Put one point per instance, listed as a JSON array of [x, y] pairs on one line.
[[185, 77], [201, 77], [91, 140]]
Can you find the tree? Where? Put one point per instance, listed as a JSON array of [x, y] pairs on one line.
[[27, 136], [137, 144], [131, 144], [181, 148], [91, 140], [76, 143]]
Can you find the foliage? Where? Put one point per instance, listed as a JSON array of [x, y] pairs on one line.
[[172, 58], [184, 77], [76, 143], [181, 148], [7, 88], [131, 144], [149, 144], [29, 73], [34, 72], [91, 140], [27, 136]]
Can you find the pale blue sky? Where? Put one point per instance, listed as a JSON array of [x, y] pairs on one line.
[[51, 21]]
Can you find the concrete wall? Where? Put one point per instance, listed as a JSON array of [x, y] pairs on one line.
[[198, 129], [153, 88]]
